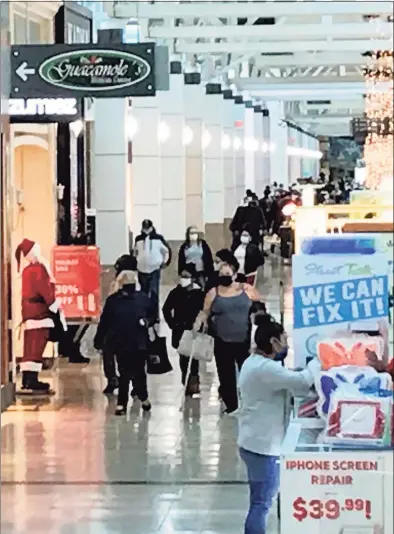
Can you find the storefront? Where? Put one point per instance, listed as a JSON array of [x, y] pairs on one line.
[[32, 199], [5, 286]]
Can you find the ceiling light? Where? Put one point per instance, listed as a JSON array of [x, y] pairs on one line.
[[206, 139], [163, 132], [187, 136], [226, 142]]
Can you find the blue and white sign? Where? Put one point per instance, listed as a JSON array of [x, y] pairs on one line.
[[334, 294]]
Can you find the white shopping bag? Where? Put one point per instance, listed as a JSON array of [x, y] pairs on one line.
[[186, 343], [86, 346], [202, 349]]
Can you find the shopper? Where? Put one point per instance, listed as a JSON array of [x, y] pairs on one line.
[[221, 257], [180, 311], [153, 253], [248, 255], [196, 251], [123, 327], [126, 262], [227, 310], [264, 385]]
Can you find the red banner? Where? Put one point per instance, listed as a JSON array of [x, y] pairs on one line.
[[77, 273]]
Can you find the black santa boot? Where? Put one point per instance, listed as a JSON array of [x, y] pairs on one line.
[[34, 384]]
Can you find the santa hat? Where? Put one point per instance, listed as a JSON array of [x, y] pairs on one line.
[[23, 249]]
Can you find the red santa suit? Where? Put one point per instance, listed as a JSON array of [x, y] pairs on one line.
[[38, 301]]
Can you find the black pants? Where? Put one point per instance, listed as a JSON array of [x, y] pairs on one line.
[[184, 363], [227, 355], [109, 365], [132, 368]]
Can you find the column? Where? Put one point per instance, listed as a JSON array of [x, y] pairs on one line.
[[194, 101], [278, 146], [111, 184], [230, 203], [258, 153], [249, 147], [239, 147], [213, 184], [265, 148], [146, 183], [173, 165]]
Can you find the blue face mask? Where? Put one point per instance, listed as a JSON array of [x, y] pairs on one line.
[[282, 355]]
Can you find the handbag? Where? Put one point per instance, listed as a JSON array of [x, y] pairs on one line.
[[56, 333], [186, 343], [202, 348], [158, 361]]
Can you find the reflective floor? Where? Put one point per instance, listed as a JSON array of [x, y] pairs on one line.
[[69, 466]]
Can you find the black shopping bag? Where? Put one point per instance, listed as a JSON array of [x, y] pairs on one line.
[[158, 361]]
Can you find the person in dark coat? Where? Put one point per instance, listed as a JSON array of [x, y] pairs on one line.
[[237, 223], [180, 311], [123, 327], [196, 251], [248, 255]]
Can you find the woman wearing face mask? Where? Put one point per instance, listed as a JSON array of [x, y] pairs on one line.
[[196, 251], [264, 385], [180, 310], [228, 309], [248, 256]]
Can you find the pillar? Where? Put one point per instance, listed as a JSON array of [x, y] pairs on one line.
[[265, 148], [230, 203], [258, 153], [239, 147], [173, 166], [249, 147], [194, 101], [278, 137], [111, 183], [213, 184], [146, 176]]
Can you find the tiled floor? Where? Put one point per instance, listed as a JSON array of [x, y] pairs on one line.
[[71, 467]]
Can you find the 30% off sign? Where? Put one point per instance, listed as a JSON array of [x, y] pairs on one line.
[[330, 509]]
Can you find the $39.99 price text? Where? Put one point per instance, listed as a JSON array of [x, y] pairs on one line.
[[330, 509]]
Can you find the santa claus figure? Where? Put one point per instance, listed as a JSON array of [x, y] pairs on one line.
[[39, 309]]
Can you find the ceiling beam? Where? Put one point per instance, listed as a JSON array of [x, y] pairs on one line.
[[266, 33], [246, 47], [310, 59], [295, 80], [207, 8], [326, 119], [305, 91]]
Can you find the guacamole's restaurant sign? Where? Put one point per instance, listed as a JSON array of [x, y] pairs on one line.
[[83, 70]]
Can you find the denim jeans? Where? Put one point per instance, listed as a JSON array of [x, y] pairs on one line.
[[150, 284], [263, 477]]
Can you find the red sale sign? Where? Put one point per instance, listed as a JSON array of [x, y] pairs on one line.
[[77, 273]]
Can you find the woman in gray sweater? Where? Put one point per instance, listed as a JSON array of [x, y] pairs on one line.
[[264, 384]]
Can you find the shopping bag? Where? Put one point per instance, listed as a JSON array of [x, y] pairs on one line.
[[86, 345], [202, 349], [186, 343], [158, 361]]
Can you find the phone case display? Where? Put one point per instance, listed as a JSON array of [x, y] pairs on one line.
[[354, 350]]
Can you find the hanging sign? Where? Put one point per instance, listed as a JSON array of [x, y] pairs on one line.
[[337, 294], [83, 70], [77, 273]]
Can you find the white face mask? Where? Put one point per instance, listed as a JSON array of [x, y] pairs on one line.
[[216, 265], [194, 237], [185, 282], [245, 239]]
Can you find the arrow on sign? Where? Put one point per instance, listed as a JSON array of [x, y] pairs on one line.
[[23, 71]]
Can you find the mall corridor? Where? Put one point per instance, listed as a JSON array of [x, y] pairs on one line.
[[72, 467]]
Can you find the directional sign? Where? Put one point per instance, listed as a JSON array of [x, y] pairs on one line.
[[51, 71]]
